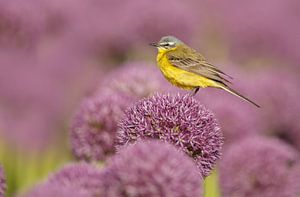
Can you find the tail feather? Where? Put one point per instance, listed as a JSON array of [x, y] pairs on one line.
[[232, 91]]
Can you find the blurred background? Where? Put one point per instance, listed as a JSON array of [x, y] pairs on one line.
[[54, 53]]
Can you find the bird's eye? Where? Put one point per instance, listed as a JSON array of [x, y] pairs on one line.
[[171, 44]]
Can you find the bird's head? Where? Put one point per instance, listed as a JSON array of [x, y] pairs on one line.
[[167, 43]]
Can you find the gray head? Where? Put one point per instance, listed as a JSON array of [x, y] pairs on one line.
[[167, 42]]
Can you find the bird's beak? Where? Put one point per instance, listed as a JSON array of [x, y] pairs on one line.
[[153, 44]]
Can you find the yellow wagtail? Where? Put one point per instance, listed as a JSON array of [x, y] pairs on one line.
[[187, 69]]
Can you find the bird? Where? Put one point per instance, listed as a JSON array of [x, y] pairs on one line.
[[187, 69]]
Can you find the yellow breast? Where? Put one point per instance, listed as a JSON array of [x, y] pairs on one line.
[[181, 78]]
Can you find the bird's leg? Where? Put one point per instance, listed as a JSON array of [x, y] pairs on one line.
[[195, 90]]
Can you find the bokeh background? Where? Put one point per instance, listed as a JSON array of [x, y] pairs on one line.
[[55, 53]]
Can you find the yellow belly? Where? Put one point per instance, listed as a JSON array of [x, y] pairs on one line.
[[181, 78]]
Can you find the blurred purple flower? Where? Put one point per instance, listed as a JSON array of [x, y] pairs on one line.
[[81, 176], [238, 119], [152, 168], [2, 183], [102, 38], [150, 25], [295, 179], [93, 129], [180, 120], [30, 131], [279, 101], [14, 30], [50, 56], [34, 97], [65, 22], [270, 32], [24, 29], [136, 79], [260, 167], [56, 190]]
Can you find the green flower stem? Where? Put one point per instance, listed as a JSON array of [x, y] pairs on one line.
[[211, 185]]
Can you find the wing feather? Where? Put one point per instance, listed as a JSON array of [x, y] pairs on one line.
[[190, 60]]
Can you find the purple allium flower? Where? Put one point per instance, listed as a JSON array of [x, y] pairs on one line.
[[295, 179], [22, 28], [152, 168], [34, 99], [280, 104], [136, 79], [82, 176], [180, 120], [150, 25], [94, 126], [237, 118], [269, 32], [259, 167], [2, 183], [13, 28], [56, 190], [130, 27]]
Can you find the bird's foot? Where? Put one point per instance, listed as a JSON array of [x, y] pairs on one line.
[[194, 91]]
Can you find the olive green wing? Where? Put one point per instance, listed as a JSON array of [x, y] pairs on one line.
[[191, 61]]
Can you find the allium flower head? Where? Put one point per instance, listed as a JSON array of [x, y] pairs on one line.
[[150, 25], [260, 167], [280, 103], [238, 119], [113, 41], [137, 79], [56, 190], [94, 126], [20, 27], [82, 176], [152, 168], [269, 32], [180, 120], [2, 183]]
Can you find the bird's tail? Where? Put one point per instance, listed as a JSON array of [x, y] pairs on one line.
[[232, 91]]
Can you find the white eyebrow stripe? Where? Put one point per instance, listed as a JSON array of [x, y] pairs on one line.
[[167, 43], [163, 43]]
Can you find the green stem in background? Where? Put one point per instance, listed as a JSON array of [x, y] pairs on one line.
[[23, 169], [211, 185]]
